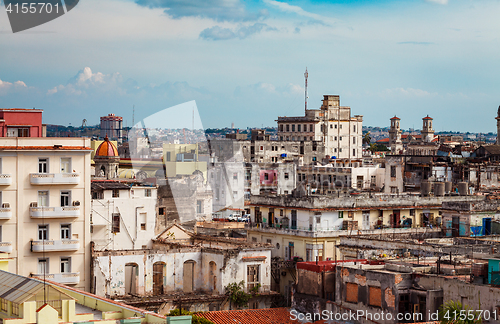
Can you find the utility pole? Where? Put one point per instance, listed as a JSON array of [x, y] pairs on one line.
[[306, 75]]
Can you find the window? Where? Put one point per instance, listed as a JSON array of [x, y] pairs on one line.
[[43, 165], [43, 266], [143, 220], [340, 150], [281, 127], [199, 206], [331, 125], [5, 305], [341, 214], [354, 128], [254, 239], [65, 231], [97, 195], [43, 232], [161, 210], [393, 171], [412, 212], [311, 128], [375, 296], [351, 293], [116, 193], [298, 128], [116, 223], [252, 276], [65, 265], [340, 138], [43, 198], [354, 152], [65, 198], [15, 309], [293, 128], [335, 126], [354, 140], [168, 156], [266, 176], [65, 165], [147, 192], [287, 128], [235, 176], [340, 126], [350, 214], [286, 175]]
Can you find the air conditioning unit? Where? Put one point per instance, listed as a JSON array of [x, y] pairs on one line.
[[76, 203], [34, 204], [5, 205]]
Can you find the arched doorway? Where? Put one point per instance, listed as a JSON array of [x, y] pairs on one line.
[[212, 276], [159, 275], [188, 276], [131, 275]]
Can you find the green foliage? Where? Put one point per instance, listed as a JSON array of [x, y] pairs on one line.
[[196, 319], [237, 294], [367, 138], [255, 289], [378, 148], [456, 313]]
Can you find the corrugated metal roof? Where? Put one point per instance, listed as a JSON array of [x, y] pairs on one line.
[[18, 289]]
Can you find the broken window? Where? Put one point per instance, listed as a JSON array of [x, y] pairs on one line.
[[116, 223], [252, 276]]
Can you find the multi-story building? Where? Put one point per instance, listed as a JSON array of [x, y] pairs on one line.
[[111, 126], [331, 125], [17, 122], [45, 196], [123, 215]]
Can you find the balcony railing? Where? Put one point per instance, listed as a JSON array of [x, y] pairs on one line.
[[55, 212], [54, 178], [69, 278], [5, 179], [5, 247], [53, 245], [5, 213]]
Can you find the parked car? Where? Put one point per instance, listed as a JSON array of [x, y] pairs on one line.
[[244, 218], [233, 217]]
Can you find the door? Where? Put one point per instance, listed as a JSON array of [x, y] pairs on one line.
[[366, 220], [131, 273], [487, 226], [294, 219], [188, 276], [158, 278], [455, 226], [396, 214]]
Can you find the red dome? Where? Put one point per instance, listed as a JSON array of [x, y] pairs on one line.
[[106, 149]]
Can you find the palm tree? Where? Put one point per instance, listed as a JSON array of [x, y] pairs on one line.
[[367, 138], [453, 312]]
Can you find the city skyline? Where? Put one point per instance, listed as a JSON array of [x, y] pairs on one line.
[[243, 62]]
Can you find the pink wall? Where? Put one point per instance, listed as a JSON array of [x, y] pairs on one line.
[[271, 176], [21, 117]]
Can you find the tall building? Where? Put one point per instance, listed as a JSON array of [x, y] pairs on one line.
[[17, 122], [427, 130], [112, 127], [331, 125], [45, 199]]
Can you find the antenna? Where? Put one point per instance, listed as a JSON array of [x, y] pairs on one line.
[[305, 76], [133, 115]]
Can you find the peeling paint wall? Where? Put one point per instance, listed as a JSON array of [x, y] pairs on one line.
[[109, 269]]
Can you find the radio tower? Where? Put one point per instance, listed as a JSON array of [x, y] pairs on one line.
[[305, 76]]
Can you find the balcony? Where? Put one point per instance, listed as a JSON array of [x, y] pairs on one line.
[[5, 213], [5, 179], [5, 247], [55, 246], [54, 212], [70, 278], [54, 178]]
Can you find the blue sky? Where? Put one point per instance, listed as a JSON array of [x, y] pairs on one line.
[[243, 61]]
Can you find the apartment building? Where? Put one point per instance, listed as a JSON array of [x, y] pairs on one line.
[[45, 199], [331, 125], [18, 122]]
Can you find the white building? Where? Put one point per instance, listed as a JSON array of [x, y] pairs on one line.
[[332, 125], [123, 215], [45, 199]]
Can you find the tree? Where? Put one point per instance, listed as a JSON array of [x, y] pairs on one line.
[[453, 312], [367, 139], [236, 293]]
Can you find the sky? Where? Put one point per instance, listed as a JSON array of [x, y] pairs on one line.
[[243, 62]]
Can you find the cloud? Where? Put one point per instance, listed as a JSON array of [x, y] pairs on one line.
[[287, 90], [242, 32], [8, 87], [285, 7], [441, 2], [220, 10], [86, 80]]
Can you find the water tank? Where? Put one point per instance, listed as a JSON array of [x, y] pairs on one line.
[[463, 188], [447, 187], [439, 189], [425, 188]]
